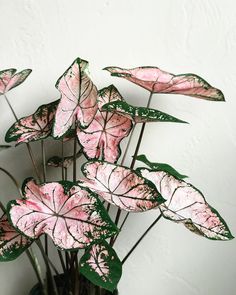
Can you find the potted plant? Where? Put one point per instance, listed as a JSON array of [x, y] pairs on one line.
[[74, 211]]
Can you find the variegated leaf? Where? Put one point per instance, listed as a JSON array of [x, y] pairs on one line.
[[12, 243], [103, 136], [78, 98], [34, 127], [101, 265], [186, 204], [139, 114], [59, 162], [120, 186], [160, 167], [157, 81], [72, 216], [10, 79]]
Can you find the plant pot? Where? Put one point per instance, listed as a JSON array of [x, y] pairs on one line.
[[85, 287]]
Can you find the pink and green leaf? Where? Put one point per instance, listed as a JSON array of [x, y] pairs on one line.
[[12, 243], [139, 114], [34, 127], [120, 186], [185, 204], [10, 79], [71, 215], [101, 265], [103, 136], [78, 98], [155, 80], [160, 167]]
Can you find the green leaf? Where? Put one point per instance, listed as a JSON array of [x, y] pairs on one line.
[[139, 114], [160, 167], [101, 265]]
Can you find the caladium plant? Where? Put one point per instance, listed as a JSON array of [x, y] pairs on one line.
[[74, 211]]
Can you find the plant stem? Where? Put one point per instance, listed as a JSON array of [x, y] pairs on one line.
[[12, 178], [74, 160], [44, 160], [140, 239], [34, 263], [44, 180], [11, 108], [27, 144], [128, 145], [48, 263], [33, 162], [112, 241], [62, 156]]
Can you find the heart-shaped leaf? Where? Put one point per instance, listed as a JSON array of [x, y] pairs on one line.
[[139, 114], [160, 167], [12, 243], [10, 79], [34, 127], [157, 81], [103, 136], [78, 98], [186, 204], [59, 162], [120, 186], [101, 265], [72, 216]]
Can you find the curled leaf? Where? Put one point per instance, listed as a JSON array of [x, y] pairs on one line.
[[186, 204], [72, 216], [160, 167], [34, 127], [59, 162], [78, 98], [120, 186], [12, 243], [139, 114], [157, 81], [10, 79], [104, 134], [101, 265]]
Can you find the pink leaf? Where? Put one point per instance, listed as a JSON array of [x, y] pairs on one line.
[[104, 134], [157, 81], [34, 127], [12, 243], [186, 204], [120, 186], [72, 216], [78, 98], [10, 79]]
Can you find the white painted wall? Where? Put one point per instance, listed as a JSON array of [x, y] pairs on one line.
[[178, 36]]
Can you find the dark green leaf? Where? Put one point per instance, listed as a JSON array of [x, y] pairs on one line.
[[160, 167], [139, 114], [101, 265]]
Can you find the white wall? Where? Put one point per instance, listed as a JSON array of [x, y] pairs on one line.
[[178, 36]]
